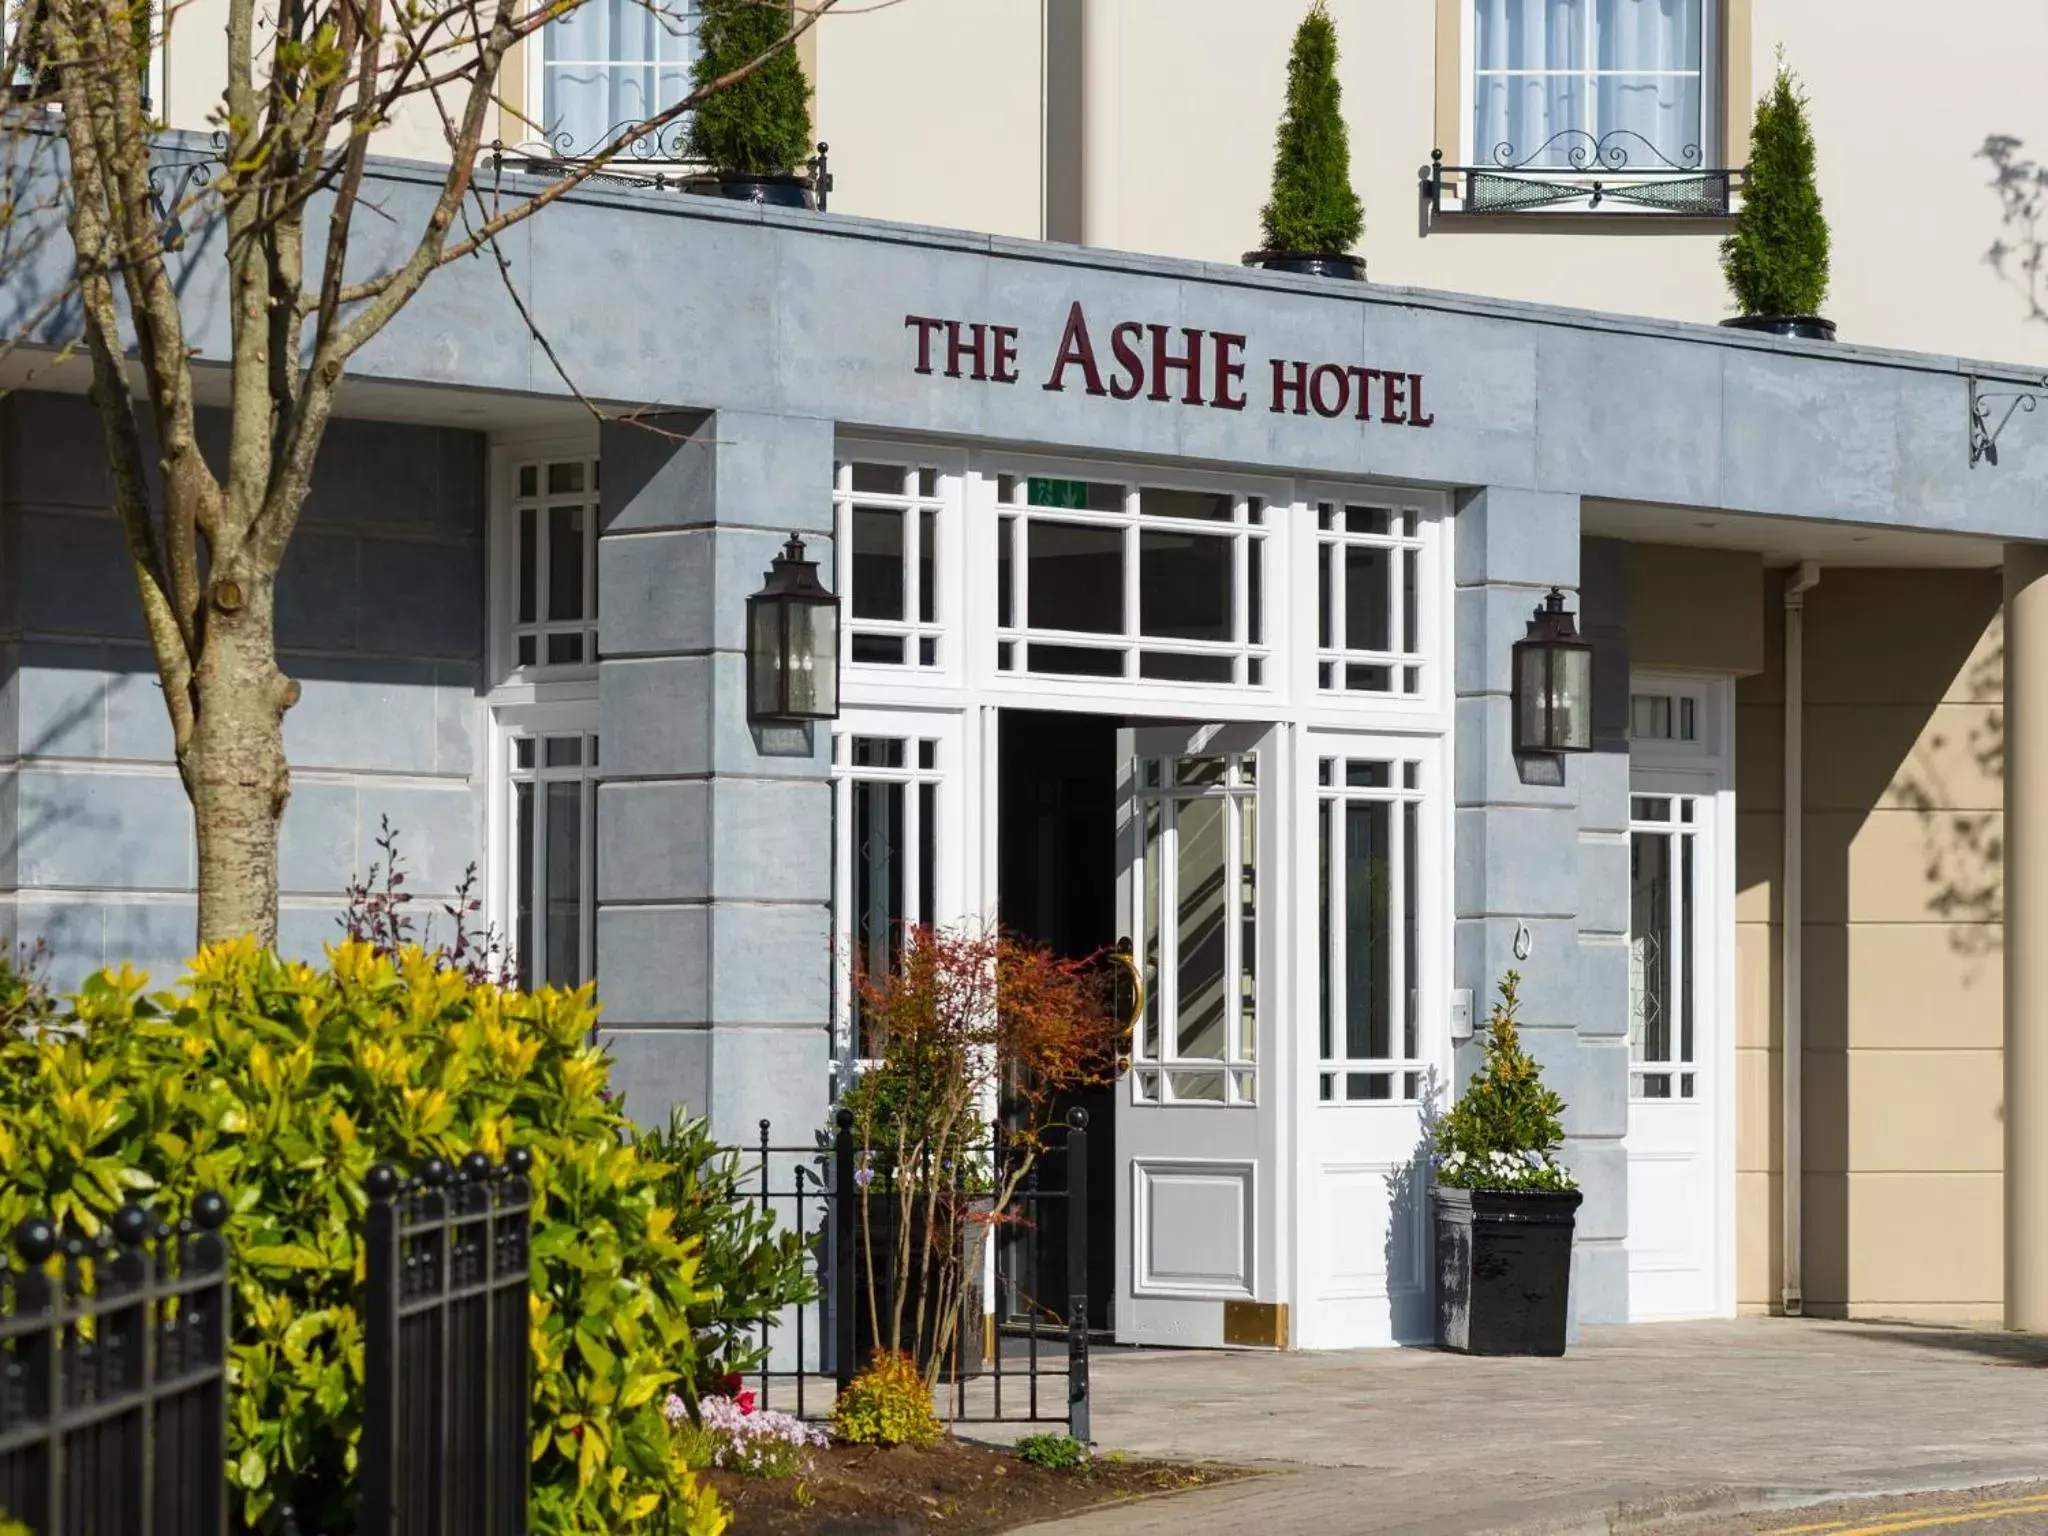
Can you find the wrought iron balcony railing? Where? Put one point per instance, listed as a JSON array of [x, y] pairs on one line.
[[1574, 171], [659, 158]]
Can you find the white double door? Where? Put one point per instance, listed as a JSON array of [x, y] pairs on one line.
[[1680, 981]]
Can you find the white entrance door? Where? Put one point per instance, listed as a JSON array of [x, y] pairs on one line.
[[1196, 1204], [1681, 959], [1370, 964]]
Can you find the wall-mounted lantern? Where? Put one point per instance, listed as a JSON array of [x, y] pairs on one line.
[[1553, 683], [792, 643]]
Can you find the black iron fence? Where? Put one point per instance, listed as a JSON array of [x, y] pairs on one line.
[[113, 1374], [1020, 1353], [448, 1398]]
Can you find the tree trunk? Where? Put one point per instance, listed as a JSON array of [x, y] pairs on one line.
[[234, 765]]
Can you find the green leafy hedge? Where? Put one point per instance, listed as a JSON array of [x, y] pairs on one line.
[[279, 1084]]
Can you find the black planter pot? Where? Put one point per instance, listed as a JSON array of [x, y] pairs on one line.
[[1350, 268], [775, 191], [1503, 1270], [966, 1357], [1805, 327]]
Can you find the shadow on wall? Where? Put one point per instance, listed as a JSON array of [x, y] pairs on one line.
[[2019, 255]]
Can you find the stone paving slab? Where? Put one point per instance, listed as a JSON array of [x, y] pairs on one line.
[[1636, 1425]]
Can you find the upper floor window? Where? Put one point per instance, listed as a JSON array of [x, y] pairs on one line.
[[1370, 590], [1609, 85], [554, 534], [609, 64], [887, 518]]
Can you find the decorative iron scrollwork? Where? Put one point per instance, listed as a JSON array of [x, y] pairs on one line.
[[1573, 167], [1983, 435], [186, 171]]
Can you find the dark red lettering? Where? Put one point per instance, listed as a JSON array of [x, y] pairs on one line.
[[1416, 418], [1363, 378], [957, 350], [1331, 372], [1283, 386], [1123, 347], [1005, 370], [1229, 362], [1075, 347], [1188, 363], [1394, 397], [925, 324]]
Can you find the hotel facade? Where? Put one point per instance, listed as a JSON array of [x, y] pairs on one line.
[[1179, 602]]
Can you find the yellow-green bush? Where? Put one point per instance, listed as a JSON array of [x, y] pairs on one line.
[[889, 1403], [280, 1084]]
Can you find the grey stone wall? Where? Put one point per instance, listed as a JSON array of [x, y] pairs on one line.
[[714, 837], [1536, 868], [380, 618]]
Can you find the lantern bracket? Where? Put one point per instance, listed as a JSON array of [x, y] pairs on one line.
[[1983, 435]]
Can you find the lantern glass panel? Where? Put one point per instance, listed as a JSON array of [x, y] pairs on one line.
[[813, 659], [764, 655], [1532, 698], [1571, 710]]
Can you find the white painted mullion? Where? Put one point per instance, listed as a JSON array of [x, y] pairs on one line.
[[586, 875], [1397, 911], [1133, 622], [1340, 925]]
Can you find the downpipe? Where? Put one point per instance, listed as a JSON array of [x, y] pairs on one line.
[[1792, 939]]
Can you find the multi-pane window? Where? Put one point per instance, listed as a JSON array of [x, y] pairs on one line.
[[554, 601], [1663, 717], [608, 64], [1369, 845], [1106, 579], [1663, 837], [1369, 598], [887, 517], [1197, 894], [1604, 85], [888, 788], [554, 856]]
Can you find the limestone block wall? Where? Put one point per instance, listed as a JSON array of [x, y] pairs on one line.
[[1903, 989], [380, 618]]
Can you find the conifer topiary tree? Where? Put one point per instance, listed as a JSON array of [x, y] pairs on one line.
[[1314, 210], [1776, 259], [1505, 1129], [759, 126]]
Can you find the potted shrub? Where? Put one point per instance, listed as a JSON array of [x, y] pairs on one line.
[[1504, 1205], [969, 1027], [1314, 217], [1776, 258], [755, 133]]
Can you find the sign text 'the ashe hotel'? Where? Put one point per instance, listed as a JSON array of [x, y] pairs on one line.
[[1171, 363]]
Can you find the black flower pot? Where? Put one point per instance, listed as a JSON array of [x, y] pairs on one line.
[[967, 1356], [775, 191], [1805, 327], [1503, 1270], [1350, 268]]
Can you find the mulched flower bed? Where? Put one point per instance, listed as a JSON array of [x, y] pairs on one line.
[[957, 1489]]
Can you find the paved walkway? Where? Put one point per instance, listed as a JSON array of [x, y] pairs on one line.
[[1635, 1421]]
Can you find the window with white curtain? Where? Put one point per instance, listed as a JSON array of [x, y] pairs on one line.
[[1592, 84], [608, 64]]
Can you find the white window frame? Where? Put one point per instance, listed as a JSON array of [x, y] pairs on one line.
[[943, 633], [539, 681], [1409, 541], [1413, 779], [1153, 1072], [535, 724], [1713, 107], [666, 149]]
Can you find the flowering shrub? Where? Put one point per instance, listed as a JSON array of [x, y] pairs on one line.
[[1504, 1130], [887, 1404], [730, 1432]]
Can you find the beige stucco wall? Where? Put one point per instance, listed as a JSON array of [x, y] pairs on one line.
[[1699, 610], [1903, 991]]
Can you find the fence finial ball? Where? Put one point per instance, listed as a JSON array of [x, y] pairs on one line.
[[476, 1167], [210, 1210], [519, 1161], [131, 1225], [35, 1240], [1077, 1117], [381, 1182], [433, 1173]]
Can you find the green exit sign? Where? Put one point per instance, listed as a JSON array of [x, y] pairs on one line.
[[1039, 492]]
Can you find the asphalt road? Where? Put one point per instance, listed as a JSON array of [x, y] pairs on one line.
[[2001, 1511]]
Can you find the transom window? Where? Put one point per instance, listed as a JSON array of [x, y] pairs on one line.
[[1106, 579], [1197, 888], [1369, 580], [1590, 84], [609, 64], [1663, 717], [888, 788], [554, 856], [888, 518], [554, 610], [1663, 833], [1369, 835]]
